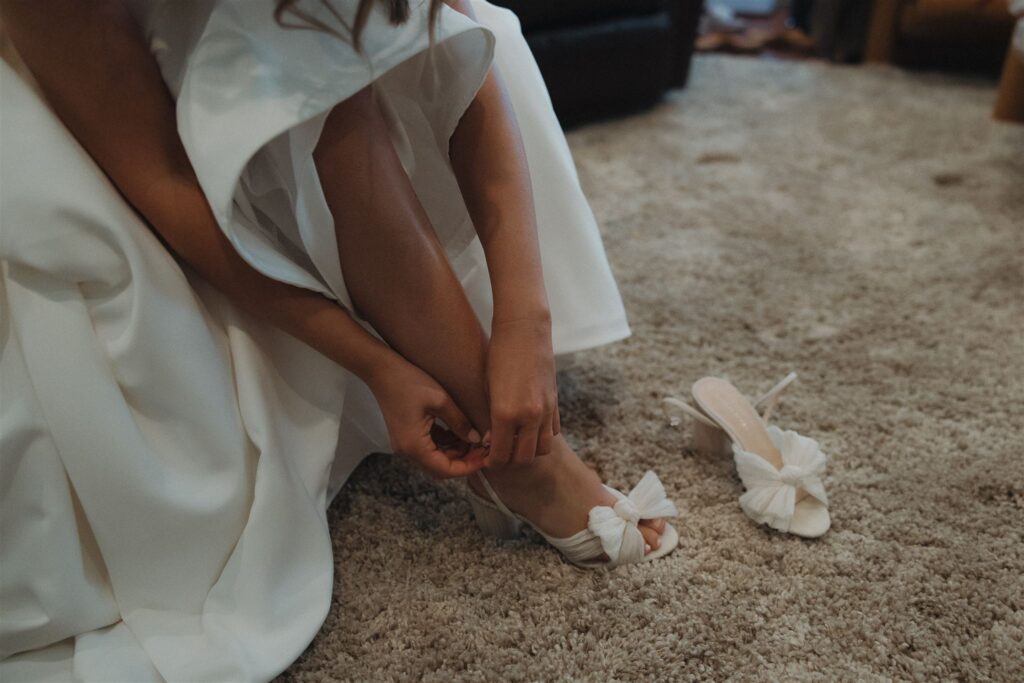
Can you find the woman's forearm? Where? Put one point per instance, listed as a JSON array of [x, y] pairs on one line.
[[178, 210], [91, 61], [487, 155]]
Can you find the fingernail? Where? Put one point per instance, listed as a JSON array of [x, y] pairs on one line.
[[474, 436], [647, 548]]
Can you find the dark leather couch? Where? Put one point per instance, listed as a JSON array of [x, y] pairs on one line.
[[603, 58]]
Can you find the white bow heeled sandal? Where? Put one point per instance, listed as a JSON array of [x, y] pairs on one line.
[[610, 530], [781, 470]]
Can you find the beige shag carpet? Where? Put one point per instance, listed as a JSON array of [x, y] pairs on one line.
[[862, 226]]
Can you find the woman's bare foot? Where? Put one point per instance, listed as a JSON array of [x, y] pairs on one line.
[[556, 492]]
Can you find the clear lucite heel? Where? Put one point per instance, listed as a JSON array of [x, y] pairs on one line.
[[707, 438], [493, 521]]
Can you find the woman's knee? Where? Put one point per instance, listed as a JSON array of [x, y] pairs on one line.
[[348, 123]]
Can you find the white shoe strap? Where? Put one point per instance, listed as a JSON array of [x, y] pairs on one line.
[[689, 410], [494, 495], [772, 396]]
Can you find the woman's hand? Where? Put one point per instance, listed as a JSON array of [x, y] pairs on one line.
[[489, 160], [522, 390], [411, 401]]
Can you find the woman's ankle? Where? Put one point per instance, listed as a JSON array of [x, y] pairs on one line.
[[539, 469]]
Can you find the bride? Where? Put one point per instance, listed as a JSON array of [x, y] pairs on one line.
[[365, 233]]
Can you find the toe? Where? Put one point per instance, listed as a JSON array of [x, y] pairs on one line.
[[651, 537], [656, 524]]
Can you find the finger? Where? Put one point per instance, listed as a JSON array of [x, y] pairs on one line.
[[455, 452], [445, 440], [545, 438], [526, 446], [651, 537], [556, 422], [466, 465], [501, 444], [456, 420], [442, 466]]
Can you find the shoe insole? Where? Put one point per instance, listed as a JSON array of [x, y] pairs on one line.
[[731, 409]]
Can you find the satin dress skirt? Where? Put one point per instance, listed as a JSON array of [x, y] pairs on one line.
[[165, 458]]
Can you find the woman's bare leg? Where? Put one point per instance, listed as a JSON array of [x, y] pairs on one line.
[[395, 269], [400, 280]]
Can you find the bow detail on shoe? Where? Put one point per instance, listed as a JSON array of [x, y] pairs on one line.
[[771, 493], [616, 526]]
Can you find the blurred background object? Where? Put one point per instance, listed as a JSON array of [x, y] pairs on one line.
[[944, 34], [839, 28], [794, 28], [750, 6], [967, 35], [961, 35], [1010, 101], [604, 58], [728, 27]]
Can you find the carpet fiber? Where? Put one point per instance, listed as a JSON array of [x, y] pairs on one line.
[[862, 226]]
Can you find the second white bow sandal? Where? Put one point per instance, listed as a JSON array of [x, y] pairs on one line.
[[610, 530], [781, 470]]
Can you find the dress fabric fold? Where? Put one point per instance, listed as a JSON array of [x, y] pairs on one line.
[[166, 459]]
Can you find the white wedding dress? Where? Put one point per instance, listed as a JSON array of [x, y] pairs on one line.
[[166, 459]]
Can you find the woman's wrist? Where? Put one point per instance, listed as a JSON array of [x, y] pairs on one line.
[[539, 317], [377, 366], [366, 357], [513, 304], [532, 330]]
